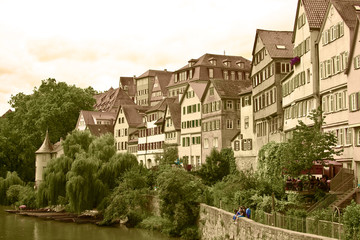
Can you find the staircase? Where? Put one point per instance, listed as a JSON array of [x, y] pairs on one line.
[[341, 192], [344, 199]]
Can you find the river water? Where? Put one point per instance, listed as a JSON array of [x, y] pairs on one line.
[[15, 227]]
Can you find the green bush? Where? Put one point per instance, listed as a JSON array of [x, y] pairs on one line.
[[352, 221], [156, 223]]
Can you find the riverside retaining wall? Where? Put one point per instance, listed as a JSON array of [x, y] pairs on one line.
[[217, 224]]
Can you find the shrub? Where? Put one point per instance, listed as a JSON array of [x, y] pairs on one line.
[[352, 221]]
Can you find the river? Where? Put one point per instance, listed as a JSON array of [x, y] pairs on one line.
[[15, 227]]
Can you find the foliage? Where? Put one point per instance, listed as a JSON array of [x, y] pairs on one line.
[[11, 179], [217, 165], [21, 195], [77, 142], [129, 199], [169, 156], [308, 144], [322, 214], [53, 187], [352, 221], [156, 223], [53, 106], [180, 194]]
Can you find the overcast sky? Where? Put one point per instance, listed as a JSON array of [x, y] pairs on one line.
[[93, 43]]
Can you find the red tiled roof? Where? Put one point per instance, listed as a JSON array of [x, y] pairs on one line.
[[99, 129], [273, 38], [175, 111], [204, 61], [129, 85], [161, 106], [133, 114], [111, 100], [230, 89], [347, 11], [315, 12], [199, 88]]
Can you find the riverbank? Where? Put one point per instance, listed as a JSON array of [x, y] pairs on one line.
[[59, 216]]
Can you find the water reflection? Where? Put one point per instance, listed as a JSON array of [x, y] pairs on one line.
[[15, 227]]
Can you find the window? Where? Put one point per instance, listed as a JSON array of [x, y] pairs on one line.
[[216, 142], [206, 143], [211, 91], [229, 104], [229, 124], [238, 125], [232, 75], [348, 136], [226, 75], [246, 122], [285, 67], [358, 138], [353, 102], [357, 62], [211, 73]]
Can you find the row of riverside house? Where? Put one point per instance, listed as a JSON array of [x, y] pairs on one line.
[[219, 101]]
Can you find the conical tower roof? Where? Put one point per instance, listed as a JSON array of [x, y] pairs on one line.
[[46, 147]]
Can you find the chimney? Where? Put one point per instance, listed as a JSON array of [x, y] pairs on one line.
[[165, 70]]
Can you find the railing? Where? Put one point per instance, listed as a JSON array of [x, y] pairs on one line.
[[305, 225], [344, 178], [323, 203]]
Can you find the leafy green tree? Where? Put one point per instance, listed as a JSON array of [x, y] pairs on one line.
[[180, 193], [270, 165], [53, 106], [307, 145], [129, 200], [352, 221], [11, 179], [77, 142], [169, 156], [217, 165]]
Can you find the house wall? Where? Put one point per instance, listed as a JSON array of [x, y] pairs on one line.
[[245, 158], [308, 92], [144, 90], [354, 115], [121, 132], [190, 151], [172, 136]]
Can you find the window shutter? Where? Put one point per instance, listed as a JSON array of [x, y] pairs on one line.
[[250, 144], [242, 144], [357, 97]]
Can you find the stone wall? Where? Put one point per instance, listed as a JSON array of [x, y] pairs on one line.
[[217, 224]]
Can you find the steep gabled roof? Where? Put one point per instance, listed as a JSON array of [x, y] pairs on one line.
[[98, 130], [347, 11], [89, 116], [152, 73], [161, 106], [353, 44], [271, 39], [198, 87], [111, 100], [134, 114], [315, 11], [230, 89], [175, 111]]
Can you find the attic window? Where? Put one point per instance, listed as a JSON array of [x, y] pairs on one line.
[[212, 61], [280, 47], [357, 7], [240, 64], [226, 63]]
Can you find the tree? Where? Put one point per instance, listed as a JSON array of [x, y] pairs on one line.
[[169, 156], [217, 166], [307, 145], [180, 193], [352, 220], [53, 106]]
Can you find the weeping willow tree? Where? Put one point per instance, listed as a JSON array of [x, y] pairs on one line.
[[83, 187], [52, 190], [11, 179]]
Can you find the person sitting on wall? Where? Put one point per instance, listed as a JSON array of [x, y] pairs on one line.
[[248, 212]]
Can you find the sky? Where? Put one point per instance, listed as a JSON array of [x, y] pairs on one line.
[[93, 43]]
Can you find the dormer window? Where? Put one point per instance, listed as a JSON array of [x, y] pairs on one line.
[[212, 61], [240, 64], [226, 63], [191, 62], [357, 7], [280, 47]]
